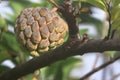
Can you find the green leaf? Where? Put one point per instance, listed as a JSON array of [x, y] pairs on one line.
[[66, 37], [117, 33], [116, 24], [59, 72], [61, 68], [97, 3], [4, 55], [51, 69], [83, 31], [116, 2], [68, 65], [3, 68], [9, 42], [16, 6], [11, 19], [3, 24], [115, 11], [117, 54], [71, 61]]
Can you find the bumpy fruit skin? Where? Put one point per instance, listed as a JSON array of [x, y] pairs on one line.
[[40, 30]]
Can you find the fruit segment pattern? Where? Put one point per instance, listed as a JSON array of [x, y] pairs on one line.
[[40, 30]]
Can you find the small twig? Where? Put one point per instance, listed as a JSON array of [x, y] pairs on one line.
[[99, 68], [111, 70], [105, 70], [113, 33], [85, 38], [115, 76], [109, 19], [96, 60], [79, 10], [95, 63]]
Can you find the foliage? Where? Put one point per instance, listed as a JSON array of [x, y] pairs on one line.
[[11, 49]]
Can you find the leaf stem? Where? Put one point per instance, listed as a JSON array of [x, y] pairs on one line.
[[109, 19]]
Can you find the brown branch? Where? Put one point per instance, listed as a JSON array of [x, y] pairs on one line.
[[60, 53], [109, 18], [99, 68]]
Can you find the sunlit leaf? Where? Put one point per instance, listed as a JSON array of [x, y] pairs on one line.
[[66, 37], [117, 33], [9, 42], [83, 31], [115, 12], [3, 24], [115, 2], [17, 7], [97, 3], [115, 23], [11, 19], [68, 65]]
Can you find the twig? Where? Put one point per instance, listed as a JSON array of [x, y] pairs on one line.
[[105, 70], [115, 76], [109, 19], [113, 33], [111, 68], [94, 65], [79, 9], [99, 68], [96, 60]]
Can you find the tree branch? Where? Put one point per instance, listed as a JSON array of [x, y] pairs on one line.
[[110, 34], [60, 53], [99, 68], [109, 20]]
